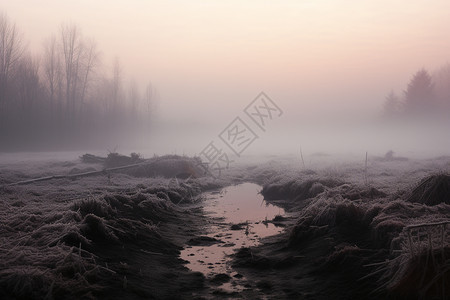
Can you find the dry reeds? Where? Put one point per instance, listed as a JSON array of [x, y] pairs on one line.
[[432, 190], [422, 269]]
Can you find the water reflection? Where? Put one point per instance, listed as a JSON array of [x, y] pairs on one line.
[[241, 218]]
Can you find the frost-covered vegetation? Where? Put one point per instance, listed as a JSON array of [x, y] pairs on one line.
[[353, 230], [387, 236], [108, 235]]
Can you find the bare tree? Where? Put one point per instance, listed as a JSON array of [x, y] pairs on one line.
[[28, 87], [11, 50], [133, 97], [63, 95], [392, 105], [116, 85], [80, 60], [72, 50], [149, 95], [53, 73], [102, 95], [90, 60]]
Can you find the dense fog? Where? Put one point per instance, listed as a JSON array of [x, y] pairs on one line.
[[169, 78], [224, 149]]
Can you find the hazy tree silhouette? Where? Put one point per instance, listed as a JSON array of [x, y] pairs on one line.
[[80, 58], [53, 75], [419, 95], [63, 97], [11, 50], [90, 63], [442, 86], [133, 97], [392, 105], [29, 88], [149, 95], [117, 88]]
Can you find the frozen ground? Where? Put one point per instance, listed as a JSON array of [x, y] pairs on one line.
[[117, 235]]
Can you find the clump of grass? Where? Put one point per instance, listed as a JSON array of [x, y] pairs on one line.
[[298, 189], [325, 214], [425, 274], [97, 207], [170, 166], [421, 270], [432, 190], [96, 229]]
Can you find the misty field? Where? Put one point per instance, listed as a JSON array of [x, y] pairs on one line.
[[348, 228], [224, 149]]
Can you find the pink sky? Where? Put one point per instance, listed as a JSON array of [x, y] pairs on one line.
[[212, 57]]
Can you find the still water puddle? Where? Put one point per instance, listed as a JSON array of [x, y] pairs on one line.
[[239, 218]]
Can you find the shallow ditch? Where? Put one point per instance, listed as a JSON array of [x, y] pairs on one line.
[[238, 217]]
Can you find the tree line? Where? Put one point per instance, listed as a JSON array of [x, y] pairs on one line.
[[425, 95], [65, 96]]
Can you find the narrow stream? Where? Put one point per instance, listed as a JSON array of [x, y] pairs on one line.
[[239, 218]]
